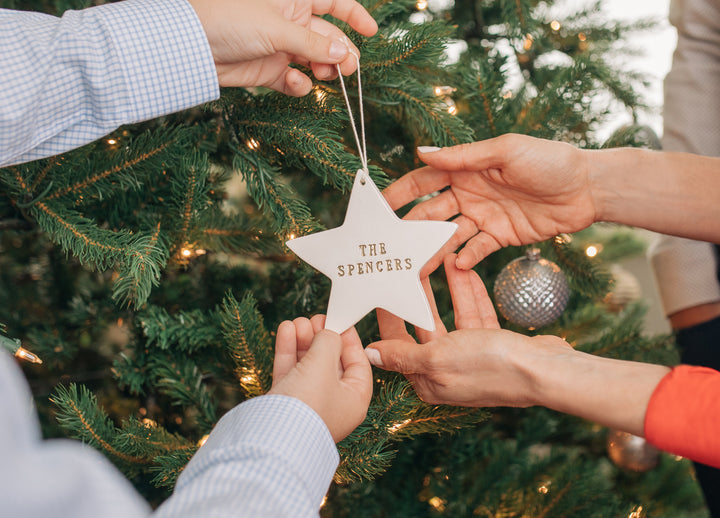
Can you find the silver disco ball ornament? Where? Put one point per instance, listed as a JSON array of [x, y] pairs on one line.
[[531, 291], [628, 451]]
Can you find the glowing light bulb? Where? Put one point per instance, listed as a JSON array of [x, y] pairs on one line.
[[253, 144], [203, 440], [528, 42], [591, 251], [397, 426], [421, 5], [24, 354], [186, 252], [555, 25], [437, 503], [443, 90], [112, 141]]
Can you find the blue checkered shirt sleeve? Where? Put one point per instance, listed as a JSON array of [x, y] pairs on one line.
[[270, 456], [66, 81]]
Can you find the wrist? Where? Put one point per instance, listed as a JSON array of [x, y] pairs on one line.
[[537, 362], [608, 171]]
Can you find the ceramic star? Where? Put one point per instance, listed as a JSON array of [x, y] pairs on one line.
[[374, 259]]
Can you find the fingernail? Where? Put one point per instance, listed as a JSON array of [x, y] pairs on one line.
[[338, 49], [374, 356], [428, 149]]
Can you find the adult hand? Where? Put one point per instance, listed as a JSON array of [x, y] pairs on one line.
[[328, 372], [509, 190], [253, 42], [479, 364]]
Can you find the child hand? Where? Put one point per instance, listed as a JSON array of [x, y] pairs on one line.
[[253, 42], [328, 372]]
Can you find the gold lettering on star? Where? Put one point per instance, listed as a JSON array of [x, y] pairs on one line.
[[376, 265]]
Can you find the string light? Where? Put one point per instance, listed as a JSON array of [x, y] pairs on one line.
[[543, 490], [202, 440], [247, 379], [253, 144], [149, 423], [324, 501], [450, 106], [637, 512], [186, 252], [443, 90], [397, 426], [14, 347], [528, 42], [421, 5], [593, 250], [111, 141], [437, 503], [581, 36], [24, 354], [291, 236], [555, 25]]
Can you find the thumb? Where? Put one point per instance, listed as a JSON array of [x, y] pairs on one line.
[[324, 353], [398, 355], [312, 46]]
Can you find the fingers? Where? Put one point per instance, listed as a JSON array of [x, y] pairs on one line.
[[318, 323], [285, 351], [304, 335], [477, 249], [350, 12], [293, 83], [348, 65], [297, 40], [477, 156], [392, 327], [355, 364], [415, 184], [439, 208], [423, 335], [324, 353], [398, 355], [472, 304]]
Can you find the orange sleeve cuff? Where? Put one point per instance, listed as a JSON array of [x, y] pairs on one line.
[[683, 415]]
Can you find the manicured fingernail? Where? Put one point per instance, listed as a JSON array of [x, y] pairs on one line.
[[374, 356], [428, 149], [338, 49]]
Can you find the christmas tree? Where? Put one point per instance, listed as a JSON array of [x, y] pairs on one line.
[[148, 270]]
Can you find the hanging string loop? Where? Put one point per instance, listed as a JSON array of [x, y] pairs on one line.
[[359, 139]]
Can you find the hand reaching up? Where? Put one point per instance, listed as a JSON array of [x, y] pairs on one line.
[[254, 42], [328, 372], [509, 190]]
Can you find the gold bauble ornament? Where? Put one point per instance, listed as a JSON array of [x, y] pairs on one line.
[[631, 452]]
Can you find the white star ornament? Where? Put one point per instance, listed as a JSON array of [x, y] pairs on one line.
[[374, 259]]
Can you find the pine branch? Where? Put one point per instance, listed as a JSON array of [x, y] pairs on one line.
[[181, 380], [249, 343], [79, 414], [187, 331]]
